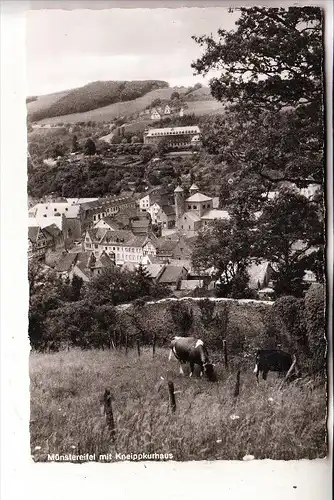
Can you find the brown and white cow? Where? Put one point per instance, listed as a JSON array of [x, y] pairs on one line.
[[193, 351]]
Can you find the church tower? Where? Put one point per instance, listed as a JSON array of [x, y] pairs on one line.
[[193, 189], [179, 204]]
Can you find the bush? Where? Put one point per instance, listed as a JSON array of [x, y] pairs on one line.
[[315, 326]]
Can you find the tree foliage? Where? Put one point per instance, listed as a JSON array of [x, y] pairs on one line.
[[289, 233], [271, 75]]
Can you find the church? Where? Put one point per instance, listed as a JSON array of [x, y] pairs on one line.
[[195, 212]]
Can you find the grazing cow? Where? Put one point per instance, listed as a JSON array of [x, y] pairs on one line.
[[192, 351], [273, 360]]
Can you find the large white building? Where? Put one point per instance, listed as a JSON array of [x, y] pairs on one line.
[[175, 136], [123, 246]]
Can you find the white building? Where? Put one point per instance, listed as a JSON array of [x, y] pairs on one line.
[[122, 245], [155, 115]]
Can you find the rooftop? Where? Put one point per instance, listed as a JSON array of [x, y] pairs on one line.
[[191, 284], [215, 214], [257, 273], [154, 270], [191, 129], [198, 198], [172, 274], [66, 262]]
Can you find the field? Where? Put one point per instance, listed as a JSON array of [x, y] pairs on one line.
[[209, 422]]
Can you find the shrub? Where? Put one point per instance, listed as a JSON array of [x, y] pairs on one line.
[[315, 326], [182, 316]]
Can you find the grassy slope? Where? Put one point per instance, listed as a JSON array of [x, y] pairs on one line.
[[202, 104], [66, 412], [45, 101]]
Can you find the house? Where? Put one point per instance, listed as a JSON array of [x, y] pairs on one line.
[[150, 259], [107, 223], [155, 115], [260, 275], [266, 294], [167, 110], [65, 264], [154, 271], [191, 285], [58, 243], [181, 112], [66, 216], [174, 136], [172, 276], [153, 210], [195, 141], [93, 211], [175, 247], [148, 199], [141, 225], [166, 216], [38, 242], [122, 246], [84, 265], [55, 209]]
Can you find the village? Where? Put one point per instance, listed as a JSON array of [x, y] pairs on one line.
[[156, 230]]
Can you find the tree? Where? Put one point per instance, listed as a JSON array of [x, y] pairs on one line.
[[226, 246], [58, 150], [75, 145], [271, 65], [156, 102], [289, 233], [90, 148], [175, 96], [163, 146], [315, 301]]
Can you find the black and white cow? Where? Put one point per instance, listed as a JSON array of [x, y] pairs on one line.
[[193, 351], [273, 360]]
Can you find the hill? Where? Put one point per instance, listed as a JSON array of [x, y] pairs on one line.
[[86, 104], [92, 96], [43, 102]]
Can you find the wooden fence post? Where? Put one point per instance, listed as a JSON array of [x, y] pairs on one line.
[[237, 386], [289, 372], [126, 343], [172, 396], [225, 353], [153, 345], [109, 414], [138, 347]]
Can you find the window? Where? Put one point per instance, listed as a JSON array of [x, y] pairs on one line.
[[208, 205], [189, 227], [96, 245], [189, 207], [194, 207], [66, 209]]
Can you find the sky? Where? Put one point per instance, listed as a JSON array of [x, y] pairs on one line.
[[68, 49]]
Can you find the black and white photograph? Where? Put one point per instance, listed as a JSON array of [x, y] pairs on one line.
[[176, 186]]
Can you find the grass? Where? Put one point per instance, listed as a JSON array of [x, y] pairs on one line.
[[209, 423]]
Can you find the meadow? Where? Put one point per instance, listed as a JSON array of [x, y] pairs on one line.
[[209, 423]]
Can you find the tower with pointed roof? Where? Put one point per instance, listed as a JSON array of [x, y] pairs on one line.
[[179, 203], [193, 189]]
